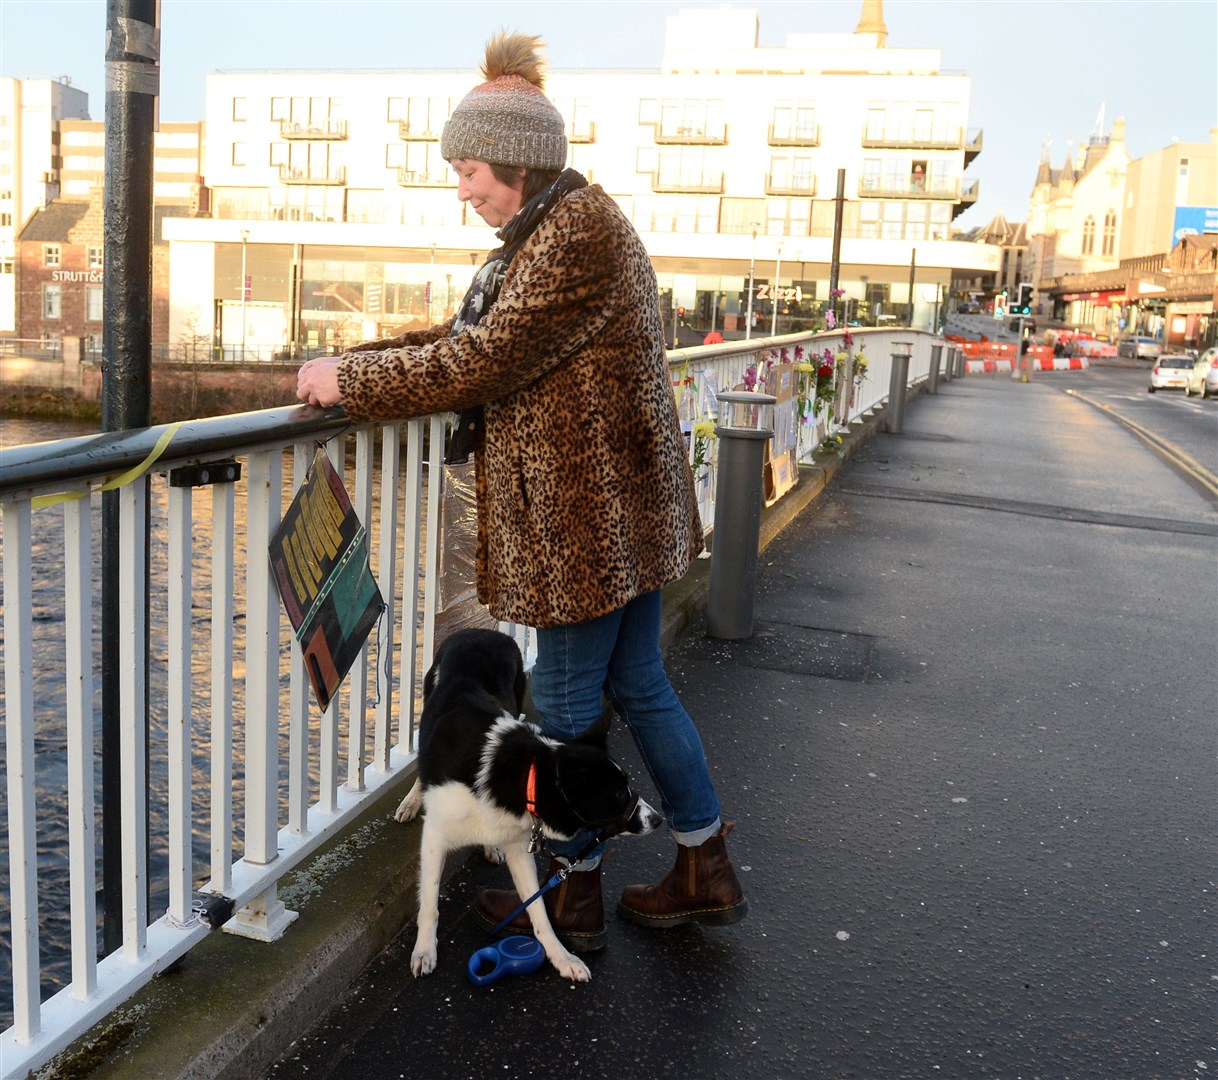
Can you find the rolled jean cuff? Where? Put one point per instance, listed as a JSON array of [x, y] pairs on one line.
[[699, 836]]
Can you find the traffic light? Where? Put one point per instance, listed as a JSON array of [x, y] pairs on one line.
[[1000, 306], [1022, 303]]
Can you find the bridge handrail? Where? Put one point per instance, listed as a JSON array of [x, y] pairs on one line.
[[398, 499]]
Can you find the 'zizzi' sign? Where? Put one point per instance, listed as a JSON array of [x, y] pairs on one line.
[[789, 292], [93, 277]]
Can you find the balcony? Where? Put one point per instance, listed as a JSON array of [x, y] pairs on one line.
[[413, 178], [801, 136], [972, 146], [329, 131], [414, 133], [967, 197], [691, 136], [705, 184], [885, 140], [790, 185], [583, 133], [940, 190], [294, 174]]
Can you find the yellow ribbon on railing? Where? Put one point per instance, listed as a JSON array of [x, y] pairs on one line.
[[122, 480]]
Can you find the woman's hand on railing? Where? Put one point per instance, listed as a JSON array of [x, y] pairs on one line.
[[317, 381]]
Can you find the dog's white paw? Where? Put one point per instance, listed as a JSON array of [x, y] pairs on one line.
[[572, 967], [422, 962], [408, 809], [492, 855]]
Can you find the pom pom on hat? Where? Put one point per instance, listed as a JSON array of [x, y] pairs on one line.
[[508, 120]]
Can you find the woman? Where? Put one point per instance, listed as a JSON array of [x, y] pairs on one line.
[[585, 498]]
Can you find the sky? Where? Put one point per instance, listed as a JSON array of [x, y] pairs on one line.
[[1044, 72]]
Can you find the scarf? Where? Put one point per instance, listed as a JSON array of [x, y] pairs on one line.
[[484, 291]]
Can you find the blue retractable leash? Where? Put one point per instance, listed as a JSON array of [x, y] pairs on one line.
[[518, 954]]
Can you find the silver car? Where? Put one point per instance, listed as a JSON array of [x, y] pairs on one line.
[[1170, 372], [1203, 379], [1140, 348]]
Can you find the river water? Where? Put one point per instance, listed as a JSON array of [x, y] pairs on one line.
[[50, 739]]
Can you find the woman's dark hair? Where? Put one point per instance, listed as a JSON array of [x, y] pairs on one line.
[[535, 180]]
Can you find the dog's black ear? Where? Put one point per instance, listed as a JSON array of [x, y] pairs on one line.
[[598, 734]]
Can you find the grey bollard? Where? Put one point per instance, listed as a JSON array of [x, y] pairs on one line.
[[949, 368], [936, 354], [895, 418], [959, 363], [745, 423]]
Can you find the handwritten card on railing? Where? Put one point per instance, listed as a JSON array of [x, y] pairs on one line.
[[319, 559]]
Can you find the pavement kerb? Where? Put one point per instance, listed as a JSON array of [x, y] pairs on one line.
[[232, 1007]]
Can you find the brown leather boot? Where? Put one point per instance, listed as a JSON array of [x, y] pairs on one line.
[[701, 887], [575, 907]]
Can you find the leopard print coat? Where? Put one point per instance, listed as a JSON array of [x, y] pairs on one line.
[[584, 490]]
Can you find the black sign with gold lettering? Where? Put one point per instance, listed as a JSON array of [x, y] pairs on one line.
[[319, 559]]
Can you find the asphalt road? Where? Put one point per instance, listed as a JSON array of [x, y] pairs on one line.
[[1189, 423], [970, 754]]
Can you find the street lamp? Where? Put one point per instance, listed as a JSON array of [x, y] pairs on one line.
[[245, 292], [774, 291], [748, 323]]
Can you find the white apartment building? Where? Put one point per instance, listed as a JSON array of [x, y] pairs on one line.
[[30, 115], [334, 219], [177, 164]]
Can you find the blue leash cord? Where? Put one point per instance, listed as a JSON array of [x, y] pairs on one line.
[[518, 954]]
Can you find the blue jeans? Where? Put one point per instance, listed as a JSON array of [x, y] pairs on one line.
[[619, 655]]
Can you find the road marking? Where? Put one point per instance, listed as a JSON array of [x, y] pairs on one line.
[[1175, 456]]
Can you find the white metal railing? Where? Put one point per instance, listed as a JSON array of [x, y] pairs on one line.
[[861, 384], [244, 732], [281, 779]]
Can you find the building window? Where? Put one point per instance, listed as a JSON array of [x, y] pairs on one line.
[[395, 111], [676, 213], [740, 217], [787, 217], [238, 153], [279, 153], [239, 106], [876, 120], [95, 258], [52, 301], [794, 121], [871, 174], [6, 266], [279, 109], [93, 303], [6, 220], [792, 172], [1089, 236], [50, 254], [1109, 232]]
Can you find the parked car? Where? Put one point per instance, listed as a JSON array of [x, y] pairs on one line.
[[1203, 379], [1170, 372], [1140, 348]]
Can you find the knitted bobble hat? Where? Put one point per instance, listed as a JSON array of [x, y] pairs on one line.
[[508, 120]]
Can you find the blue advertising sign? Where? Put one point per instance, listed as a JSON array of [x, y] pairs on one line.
[[1193, 221]]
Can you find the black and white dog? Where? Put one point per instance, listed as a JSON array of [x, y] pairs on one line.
[[489, 778]]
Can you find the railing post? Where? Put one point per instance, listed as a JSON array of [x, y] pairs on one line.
[[895, 417], [132, 85], [936, 355], [745, 423]]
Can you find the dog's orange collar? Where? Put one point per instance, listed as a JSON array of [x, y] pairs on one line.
[[530, 789]]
